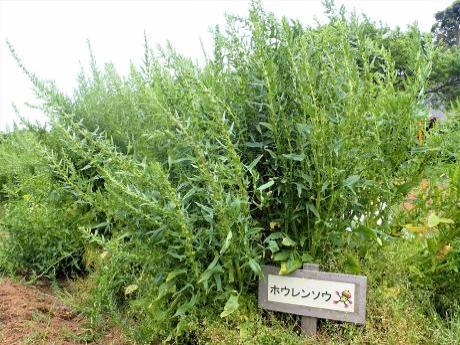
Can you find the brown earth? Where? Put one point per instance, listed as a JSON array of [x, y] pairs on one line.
[[32, 315]]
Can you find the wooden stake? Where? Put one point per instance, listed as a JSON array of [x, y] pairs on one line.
[[308, 324]]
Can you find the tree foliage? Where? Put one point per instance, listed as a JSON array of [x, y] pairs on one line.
[[445, 77], [447, 26]]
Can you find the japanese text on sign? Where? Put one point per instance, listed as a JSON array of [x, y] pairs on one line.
[[311, 292]]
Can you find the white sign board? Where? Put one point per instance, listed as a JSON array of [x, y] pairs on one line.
[[316, 294]]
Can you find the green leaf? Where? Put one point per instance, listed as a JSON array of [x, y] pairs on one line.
[[213, 263], [176, 255], [287, 242], [273, 246], [227, 242], [100, 225], [351, 181], [209, 271], [282, 255], [174, 274], [231, 306], [245, 331], [256, 145], [266, 185], [255, 267], [272, 154], [266, 125], [205, 208], [130, 289], [303, 128], [165, 289], [275, 236], [313, 209], [434, 220], [423, 149], [299, 188], [207, 212], [175, 161], [186, 307], [324, 186], [294, 157], [189, 193], [254, 162], [86, 167], [405, 188], [290, 266], [218, 281]]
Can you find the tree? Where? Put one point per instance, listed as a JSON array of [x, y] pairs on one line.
[[447, 26], [445, 76]]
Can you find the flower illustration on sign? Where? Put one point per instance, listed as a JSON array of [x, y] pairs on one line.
[[344, 297]]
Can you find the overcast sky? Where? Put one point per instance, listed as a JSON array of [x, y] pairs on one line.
[[51, 36]]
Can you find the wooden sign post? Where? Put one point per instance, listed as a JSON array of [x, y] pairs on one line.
[[308, 324], [314, 294]]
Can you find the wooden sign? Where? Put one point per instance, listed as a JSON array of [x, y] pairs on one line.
[[314, 294]]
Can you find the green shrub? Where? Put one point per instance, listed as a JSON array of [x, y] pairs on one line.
[[182, 179], [316, 121], [438, 262], [39, 221]]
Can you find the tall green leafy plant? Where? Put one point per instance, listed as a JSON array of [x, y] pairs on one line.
[[328, 120], [284, 147]]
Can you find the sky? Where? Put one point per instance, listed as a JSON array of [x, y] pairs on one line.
[[51, 36]]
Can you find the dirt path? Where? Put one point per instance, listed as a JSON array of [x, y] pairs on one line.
[[32, 315]]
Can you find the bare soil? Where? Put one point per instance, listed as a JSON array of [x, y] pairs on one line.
[[32, 315]]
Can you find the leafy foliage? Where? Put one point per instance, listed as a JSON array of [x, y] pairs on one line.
[[445, 75], [439, 214], [447, 26], [40, 219], [172, 185], [445, 78]]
